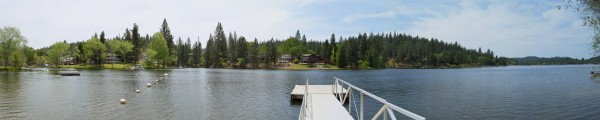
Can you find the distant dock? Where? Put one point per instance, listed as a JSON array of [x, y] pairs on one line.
[[325, 102], [68, 73], [594, 71]]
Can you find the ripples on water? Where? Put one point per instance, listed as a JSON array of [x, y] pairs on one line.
[[516, 92]]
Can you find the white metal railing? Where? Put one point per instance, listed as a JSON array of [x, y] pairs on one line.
[[304, 108], [387, 109]]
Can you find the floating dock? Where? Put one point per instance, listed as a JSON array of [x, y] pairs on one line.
[[298, 91], [594, 71], [68, 73]]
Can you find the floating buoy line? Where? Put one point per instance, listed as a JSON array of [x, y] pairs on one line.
[[123, 100]]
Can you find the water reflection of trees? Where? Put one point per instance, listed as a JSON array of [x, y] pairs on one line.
[[10, 98], [595, 78]]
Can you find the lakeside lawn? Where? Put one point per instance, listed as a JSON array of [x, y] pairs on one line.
[[293, 66], [104, 66]]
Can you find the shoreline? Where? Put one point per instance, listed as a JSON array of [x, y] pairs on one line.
[[278, 67]]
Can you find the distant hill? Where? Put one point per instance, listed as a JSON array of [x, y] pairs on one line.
[[534, 60], [594, 60]]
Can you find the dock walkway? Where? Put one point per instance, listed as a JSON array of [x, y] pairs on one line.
[[325, 102]]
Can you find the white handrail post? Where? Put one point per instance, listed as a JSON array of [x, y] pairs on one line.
[[304, 106], [346, 96], [349, 103], [391, 114], [335, 89], [361, 117], [385, 114], [333, 86], [382, 110]]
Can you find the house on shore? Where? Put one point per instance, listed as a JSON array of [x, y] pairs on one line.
[[285, 58], [69, 61], [309, 58], [112, 58]]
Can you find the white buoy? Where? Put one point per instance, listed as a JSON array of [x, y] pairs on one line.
[[122, 101], [137, 91], [166, 74], [156, 80], [149, 85]]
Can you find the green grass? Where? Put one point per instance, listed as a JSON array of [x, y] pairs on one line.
[[310, 67], [105, 66], [117, 66]]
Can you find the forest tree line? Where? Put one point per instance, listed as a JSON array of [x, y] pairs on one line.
[[160, 50], [533, 60]]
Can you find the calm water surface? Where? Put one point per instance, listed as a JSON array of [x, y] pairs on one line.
[[514, 92]]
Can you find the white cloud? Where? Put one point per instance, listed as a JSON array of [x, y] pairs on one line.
[[509, 29], [350, 18], [45, 22]]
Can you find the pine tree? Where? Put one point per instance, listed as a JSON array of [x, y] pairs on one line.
[[341, 57], [127, 35], [180, 48], [298, 35], [326, 51], [304, 42], [271, 53], [166, 31], [220, 45], [137, 44], [102, 39], [333, 54], [187, 51], [210, 53], [196, 54], [253, 54], [242, 52], [232, 49]]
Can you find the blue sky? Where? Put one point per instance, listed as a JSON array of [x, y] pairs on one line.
[[512, 28]]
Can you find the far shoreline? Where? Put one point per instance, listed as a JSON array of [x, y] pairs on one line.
[[280, 66]]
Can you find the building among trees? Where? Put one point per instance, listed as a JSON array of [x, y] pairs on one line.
[[112, 58], [285, 58]]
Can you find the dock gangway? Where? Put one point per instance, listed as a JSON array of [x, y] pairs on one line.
[[328, 106]]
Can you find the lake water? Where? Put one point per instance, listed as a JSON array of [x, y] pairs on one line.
[[514, 92]]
